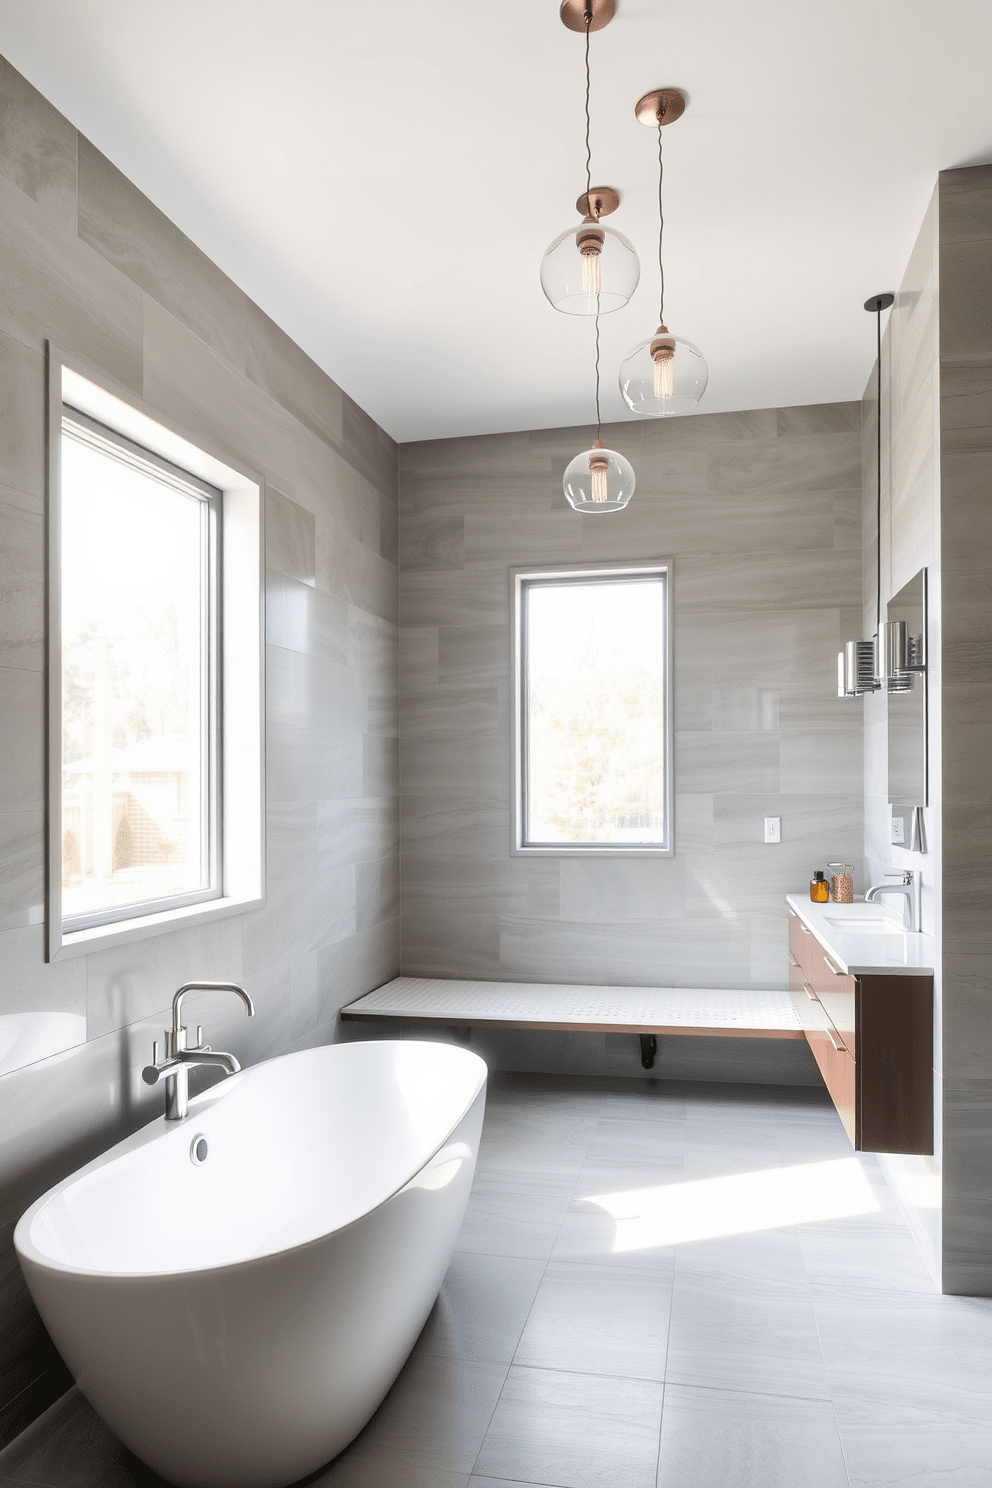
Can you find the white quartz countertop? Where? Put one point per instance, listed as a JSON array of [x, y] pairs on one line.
[[865, 939]]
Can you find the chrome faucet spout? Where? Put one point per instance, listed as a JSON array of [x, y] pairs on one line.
[[179, 1059], [910, 886], [177, 1001]]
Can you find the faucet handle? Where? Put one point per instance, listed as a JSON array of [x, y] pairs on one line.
[[155, 1051], [906, 874]]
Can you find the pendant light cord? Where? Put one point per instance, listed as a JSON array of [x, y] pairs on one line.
[[588, 146], [588, 18], [661, 230], [599, 418], [878, 474]]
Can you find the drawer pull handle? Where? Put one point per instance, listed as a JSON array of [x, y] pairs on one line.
[[838, 1048], [810, 994], [831, 967], [792, 960], [805, 928]]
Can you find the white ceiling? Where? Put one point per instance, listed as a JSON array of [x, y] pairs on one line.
[[383, 178]]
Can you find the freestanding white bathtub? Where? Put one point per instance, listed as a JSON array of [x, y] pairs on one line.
[[237, 1320]]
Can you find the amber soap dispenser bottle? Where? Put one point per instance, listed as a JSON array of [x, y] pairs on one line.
[[819, 889]]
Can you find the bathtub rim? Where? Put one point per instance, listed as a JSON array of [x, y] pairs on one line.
[[27, 1251]]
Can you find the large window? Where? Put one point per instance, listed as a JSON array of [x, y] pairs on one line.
[[141, 654], [155, 674], [592, 717]]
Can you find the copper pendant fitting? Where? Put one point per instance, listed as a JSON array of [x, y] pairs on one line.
[[589, 240], [600, 201], [660, 106], [663, 346], [574, 12]]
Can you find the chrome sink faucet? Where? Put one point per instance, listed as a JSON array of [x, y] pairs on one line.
[[910, 885], [175, 1067]]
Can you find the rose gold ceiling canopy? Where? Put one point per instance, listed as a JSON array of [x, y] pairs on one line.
[[573, 14]]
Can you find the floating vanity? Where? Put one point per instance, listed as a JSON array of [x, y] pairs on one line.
[[862, 987]]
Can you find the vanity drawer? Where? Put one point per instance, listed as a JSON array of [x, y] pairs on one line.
[[838, 1068]]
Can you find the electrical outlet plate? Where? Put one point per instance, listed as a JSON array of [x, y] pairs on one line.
[[898, 831], [773, 829]]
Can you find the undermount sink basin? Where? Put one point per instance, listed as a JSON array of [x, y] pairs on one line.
[[868, 924]]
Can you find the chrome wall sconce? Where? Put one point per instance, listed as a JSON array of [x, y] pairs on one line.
[[899, 656], [856, 669]]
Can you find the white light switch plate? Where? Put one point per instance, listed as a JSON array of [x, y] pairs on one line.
[[773, 829]]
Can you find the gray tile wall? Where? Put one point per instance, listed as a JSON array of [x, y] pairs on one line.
[[965, 272], [89, 262], [761, 513], [936, 474]]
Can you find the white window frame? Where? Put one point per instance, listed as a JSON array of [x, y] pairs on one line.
[[520, 580], [239, 875]]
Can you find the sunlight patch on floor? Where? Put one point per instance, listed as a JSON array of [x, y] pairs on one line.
[[739, 1204]]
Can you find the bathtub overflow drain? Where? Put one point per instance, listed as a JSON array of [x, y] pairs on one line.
[[198, 1149]]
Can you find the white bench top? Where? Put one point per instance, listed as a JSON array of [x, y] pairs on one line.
[[748, 1013]]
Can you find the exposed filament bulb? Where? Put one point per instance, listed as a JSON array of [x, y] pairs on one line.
[[592, 276], [599, 465], [589, 241], [663, 356]]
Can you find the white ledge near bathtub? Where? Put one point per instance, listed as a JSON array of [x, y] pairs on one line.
[[720, 1013], [864, 939]]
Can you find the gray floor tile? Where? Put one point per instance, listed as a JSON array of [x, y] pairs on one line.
[[901, 1447], [71, 1447], [598, 1320], [865, 1256], [482, 1309], [892, 1348], [434, 1418], [511, 1221], [573, 1431], [734, 1334], [358, 1469], [770, 1259], [719, 1439], [476, 1482]]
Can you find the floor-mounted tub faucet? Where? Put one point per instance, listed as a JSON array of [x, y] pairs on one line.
[[175, 1067], [910, 885]]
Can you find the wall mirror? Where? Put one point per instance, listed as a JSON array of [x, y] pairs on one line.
[[905, 640]]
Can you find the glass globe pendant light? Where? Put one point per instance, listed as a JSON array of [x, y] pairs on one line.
[[599, 480], [590, 269], [664, 375]]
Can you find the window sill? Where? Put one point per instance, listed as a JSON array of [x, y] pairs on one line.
[[593, 850], [100, 937]]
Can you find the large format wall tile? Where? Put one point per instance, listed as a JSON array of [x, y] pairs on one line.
[[22, 581], [54, 287], [279, 366], [37, 148], [964, 719], [132, 300], [760, 513], [22, 419], [126, 229]]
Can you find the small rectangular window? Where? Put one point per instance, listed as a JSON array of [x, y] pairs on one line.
[[592, 703], [140, 647]]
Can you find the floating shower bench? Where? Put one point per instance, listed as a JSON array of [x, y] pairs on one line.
[[647, 1011]]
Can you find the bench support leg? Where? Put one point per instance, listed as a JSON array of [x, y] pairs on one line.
[[649, 1048]]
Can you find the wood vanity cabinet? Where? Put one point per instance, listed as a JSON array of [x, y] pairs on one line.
[[872, 1038]]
